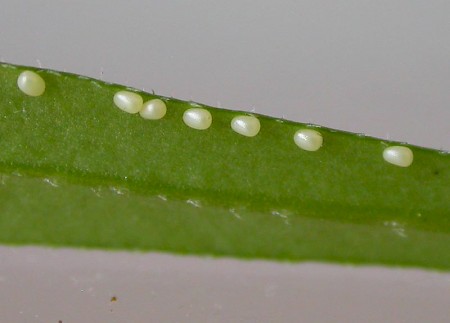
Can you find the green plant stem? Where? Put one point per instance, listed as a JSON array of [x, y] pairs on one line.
[[77, 171]]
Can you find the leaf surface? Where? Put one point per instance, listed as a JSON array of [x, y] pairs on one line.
[[77, 171]]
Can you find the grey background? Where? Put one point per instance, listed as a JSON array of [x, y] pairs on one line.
[[375, 67], [42, 285]]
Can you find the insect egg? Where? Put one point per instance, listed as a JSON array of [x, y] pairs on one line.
[[398, 155], [197, 118], [248, 126], [128, 101], [153, 110], [308, 139], [31, 83]]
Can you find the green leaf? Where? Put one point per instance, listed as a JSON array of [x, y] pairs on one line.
[[77, 171]]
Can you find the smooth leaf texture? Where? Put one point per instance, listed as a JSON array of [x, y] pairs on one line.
[[77, 171]]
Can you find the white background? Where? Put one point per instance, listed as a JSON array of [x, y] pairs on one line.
[[375, 67]]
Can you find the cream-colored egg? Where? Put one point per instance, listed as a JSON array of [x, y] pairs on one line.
[[128, 101], [197, 118], [248, 126], [308, 139], [31, 83], [153, 110], [398, 155]]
